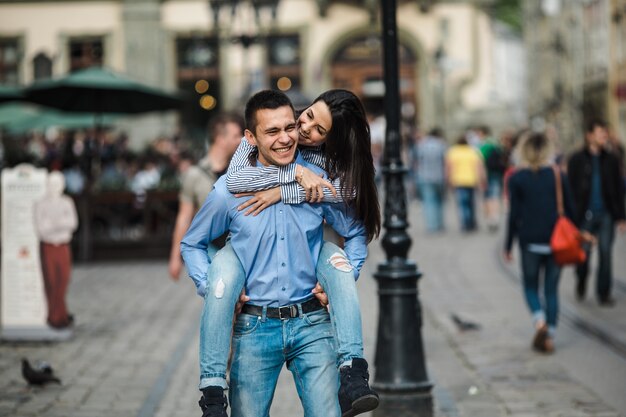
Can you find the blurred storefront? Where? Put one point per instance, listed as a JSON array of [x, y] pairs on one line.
[[218, 54]]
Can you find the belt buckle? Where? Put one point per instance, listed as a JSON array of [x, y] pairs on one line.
[[290, 312]]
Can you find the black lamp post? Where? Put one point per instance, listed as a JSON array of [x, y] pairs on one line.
[[401, 378]]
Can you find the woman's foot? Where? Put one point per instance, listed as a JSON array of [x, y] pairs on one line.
[[355, 394], [541, 335]]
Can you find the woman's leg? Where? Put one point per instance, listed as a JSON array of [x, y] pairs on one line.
[[530, 275], [551, 292], [225, 280], [335, 274]]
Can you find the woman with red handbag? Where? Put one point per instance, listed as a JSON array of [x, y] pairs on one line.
[[532, 216]]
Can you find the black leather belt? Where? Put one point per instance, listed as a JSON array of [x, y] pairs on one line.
[[284, 312]]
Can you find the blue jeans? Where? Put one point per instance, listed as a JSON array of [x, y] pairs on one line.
[[226, 279], [467, 210], [532, 263], [432, 201], [603, 228], [261, 347]]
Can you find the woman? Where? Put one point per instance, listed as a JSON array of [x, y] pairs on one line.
[[532, 216], [333, 134]]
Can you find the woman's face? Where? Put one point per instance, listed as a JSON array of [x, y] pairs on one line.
[[314, 124]]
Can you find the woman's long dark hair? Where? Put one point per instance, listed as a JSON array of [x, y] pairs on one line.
[[348, 152]]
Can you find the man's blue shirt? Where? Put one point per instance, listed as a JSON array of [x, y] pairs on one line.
[[278, 248]]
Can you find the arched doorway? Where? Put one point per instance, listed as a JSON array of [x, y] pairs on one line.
[[357, 65]]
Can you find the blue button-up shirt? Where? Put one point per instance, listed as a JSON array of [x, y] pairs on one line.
[[278, 248]]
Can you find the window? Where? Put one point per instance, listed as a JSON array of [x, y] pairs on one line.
[[197, 60], [284, 61], [85, 52], [9, 60]]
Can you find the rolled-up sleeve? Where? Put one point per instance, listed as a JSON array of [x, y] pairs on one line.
[[211, 221]]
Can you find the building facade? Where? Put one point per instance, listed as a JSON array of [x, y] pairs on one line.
[[455, 65], [577, 50]]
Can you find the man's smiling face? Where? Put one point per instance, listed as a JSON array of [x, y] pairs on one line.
[[275, 137]]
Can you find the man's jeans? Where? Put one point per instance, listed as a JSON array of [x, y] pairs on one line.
[[432, 201], [467, 210], [261, 347], [531, 266], [603, 228], [226, 279]]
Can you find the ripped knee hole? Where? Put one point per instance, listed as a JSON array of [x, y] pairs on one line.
[[339, 261]]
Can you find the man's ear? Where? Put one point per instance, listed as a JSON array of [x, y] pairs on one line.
[[250, 137]]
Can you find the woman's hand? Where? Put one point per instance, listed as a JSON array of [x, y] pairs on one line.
[[320, 294], [507, 255], [313, 184], [260, 200]]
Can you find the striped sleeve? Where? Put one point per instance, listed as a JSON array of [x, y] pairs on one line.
[[242, 177]]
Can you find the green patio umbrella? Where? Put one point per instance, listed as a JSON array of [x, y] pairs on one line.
[[99, 91], [15, 113], [9, 93], [22, 117]]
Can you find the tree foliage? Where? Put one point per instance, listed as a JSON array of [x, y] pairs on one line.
[[509, 12]]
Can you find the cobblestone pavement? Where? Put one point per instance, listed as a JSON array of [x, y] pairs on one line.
[[134, 351]]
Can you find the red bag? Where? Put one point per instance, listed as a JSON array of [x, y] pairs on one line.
[[566, 241]]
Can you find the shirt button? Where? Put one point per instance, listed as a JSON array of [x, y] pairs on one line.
[[282, 238], [283, 264], [280, 211], [284, 289]]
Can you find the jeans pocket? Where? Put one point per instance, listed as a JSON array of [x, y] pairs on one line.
[[317, 317], [245, 324]]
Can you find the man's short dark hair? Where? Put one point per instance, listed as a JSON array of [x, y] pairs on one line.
[[265, 99], [485, 130], [593, 123], [218, 123]]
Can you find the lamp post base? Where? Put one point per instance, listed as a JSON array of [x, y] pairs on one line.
[[409, 404]]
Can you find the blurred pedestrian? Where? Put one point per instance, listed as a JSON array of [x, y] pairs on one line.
[[55, 222], [429, 156], [465, 173], [595, 177], [495, 165], [225, 133], [532, 216]]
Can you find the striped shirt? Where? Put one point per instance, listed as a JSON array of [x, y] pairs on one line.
[[242, 176]]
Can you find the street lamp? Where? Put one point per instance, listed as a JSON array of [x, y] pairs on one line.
[[401, 378], [253, 31]]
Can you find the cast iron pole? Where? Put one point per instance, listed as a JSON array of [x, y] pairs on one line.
[[400, 378]]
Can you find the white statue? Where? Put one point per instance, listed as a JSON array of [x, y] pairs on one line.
[[55, 222]]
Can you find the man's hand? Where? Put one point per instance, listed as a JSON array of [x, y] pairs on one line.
[[320, 294], [260, 200], [313, 184], [243, 298], [508, 256], [587, 237], [621, 226], [175, 266]]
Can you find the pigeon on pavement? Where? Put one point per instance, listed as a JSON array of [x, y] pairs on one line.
[[41, 374], [464, 325]]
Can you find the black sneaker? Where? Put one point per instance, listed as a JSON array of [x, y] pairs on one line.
[[213, 402], [355, 394]]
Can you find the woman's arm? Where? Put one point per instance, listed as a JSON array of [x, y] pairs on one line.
[[243, 176], [298, 184]]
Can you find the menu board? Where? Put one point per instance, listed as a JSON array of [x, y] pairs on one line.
[[23, 306]]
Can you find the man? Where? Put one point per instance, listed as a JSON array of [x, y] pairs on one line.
[[594, 175], [495, 165], [278, 249], [465, 173], [225, 132], [429, 155]]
